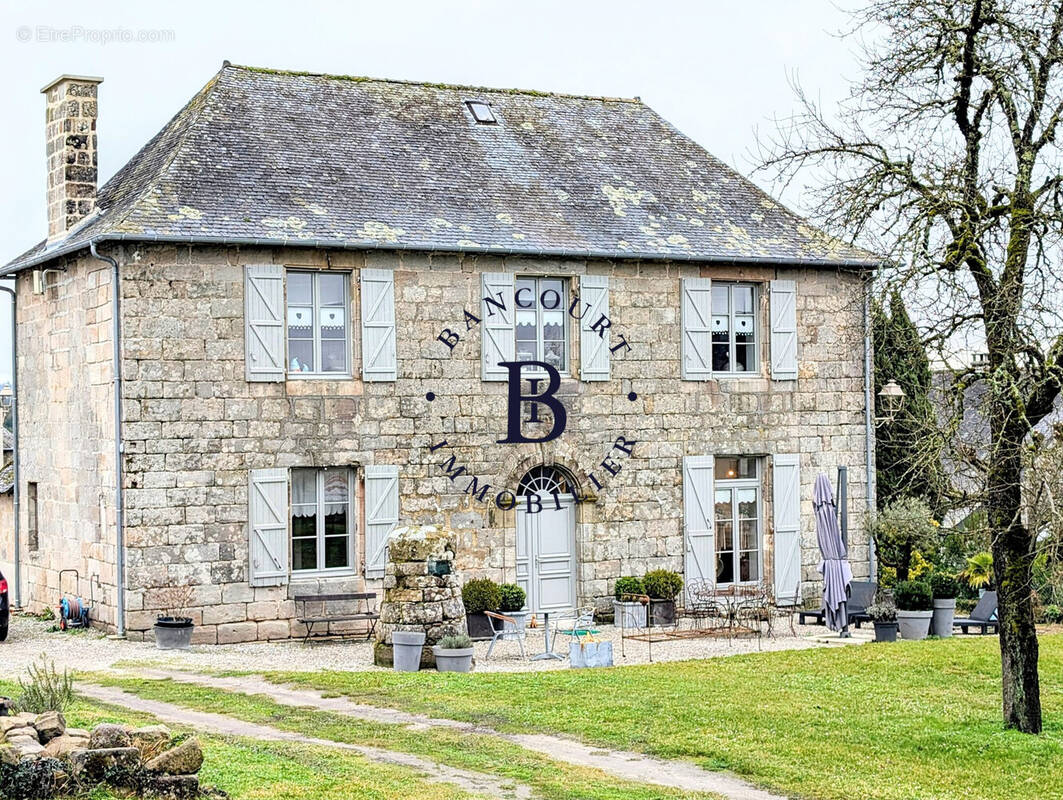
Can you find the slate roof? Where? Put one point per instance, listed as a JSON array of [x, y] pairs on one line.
[[261, 156]]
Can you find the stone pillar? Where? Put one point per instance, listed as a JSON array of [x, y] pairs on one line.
[[70, 137], [421, 591]]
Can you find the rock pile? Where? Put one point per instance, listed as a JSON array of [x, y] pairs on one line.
[[61, 760], [421, 592]]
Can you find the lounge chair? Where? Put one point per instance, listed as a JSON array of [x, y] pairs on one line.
[[861, 595], [982, 618]]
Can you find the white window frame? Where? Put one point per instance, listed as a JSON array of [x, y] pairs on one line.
[[352, 526], [731, 373], [732, 485], [540, 342], [315, 300]]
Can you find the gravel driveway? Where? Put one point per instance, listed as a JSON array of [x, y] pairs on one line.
[[91, 650]]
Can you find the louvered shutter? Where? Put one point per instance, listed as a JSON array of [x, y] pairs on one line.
[[593, 348], [267, 515], [696, 349], [699, 533], [498, 335], [381, 515], [786, 502], [783, 330], [378, 325], [264, 322]]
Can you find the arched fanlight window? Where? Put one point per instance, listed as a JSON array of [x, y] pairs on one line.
[[546, 479]]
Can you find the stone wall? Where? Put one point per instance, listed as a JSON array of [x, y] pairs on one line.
[[194, 426], [66, 431]]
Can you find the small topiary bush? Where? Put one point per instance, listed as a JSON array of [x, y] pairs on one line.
[[944, 586], [628, 584], [913, 596], [480, 595], [512, 597], [455, 641], [662, 584]]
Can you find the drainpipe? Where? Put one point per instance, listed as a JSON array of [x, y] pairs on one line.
[[14, 436], [119, 515], [869, 427]]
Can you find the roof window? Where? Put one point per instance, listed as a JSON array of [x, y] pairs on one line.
[[481, 112]]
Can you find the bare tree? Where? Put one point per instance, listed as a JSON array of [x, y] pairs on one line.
[[945, 159]]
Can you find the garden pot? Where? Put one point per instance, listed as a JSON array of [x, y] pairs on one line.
[[406, 650], [479, 626], [944, 614], [458, 660], [885, 631], [662, 612], [914, 624], [630, 615], [173, 633], [520, 620]]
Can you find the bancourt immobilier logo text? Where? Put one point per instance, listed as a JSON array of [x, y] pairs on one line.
[[517, 400]]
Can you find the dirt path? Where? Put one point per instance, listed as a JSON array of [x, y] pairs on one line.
[[475, 782], [618, 763]]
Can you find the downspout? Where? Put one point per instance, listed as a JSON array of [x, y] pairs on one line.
[[14, 436], [119, 516], [869, 428]]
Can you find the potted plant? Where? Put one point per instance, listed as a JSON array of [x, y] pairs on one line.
[[480, 595], [945, 589], [454, 653], [883, 614], [512, 603], [173, 630], [915, 608], [662, 586], [630, 613]]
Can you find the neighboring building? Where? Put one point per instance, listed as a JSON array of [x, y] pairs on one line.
[[7, 502], [294, 253]]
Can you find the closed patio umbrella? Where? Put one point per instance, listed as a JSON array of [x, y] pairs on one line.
[[834, 566]]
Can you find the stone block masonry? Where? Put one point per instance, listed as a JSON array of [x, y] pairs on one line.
[[194, 426]]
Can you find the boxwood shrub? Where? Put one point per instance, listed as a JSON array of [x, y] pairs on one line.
[[629, 584], [662, 584], [913, 596], [480, 595], [512, 597], [944, 586]]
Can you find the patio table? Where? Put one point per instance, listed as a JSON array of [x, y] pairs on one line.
[[548, 653]]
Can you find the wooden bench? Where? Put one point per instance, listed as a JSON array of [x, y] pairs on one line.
[[365, 613]]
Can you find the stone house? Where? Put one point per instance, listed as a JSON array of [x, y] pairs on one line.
[[318, 305]]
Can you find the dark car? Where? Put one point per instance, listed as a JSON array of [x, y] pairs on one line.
[[5, 613]]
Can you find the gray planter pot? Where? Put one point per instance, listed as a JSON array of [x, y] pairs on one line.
[[944, 614], [631, 615], [885, 631], [662, 612], [914, 625], [520, 620], [406, 650], [459, 660], [173, 633]]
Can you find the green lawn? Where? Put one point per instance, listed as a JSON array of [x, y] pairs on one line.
[[904, 721]]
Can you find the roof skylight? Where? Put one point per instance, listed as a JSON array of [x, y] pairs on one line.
[[481, 112]]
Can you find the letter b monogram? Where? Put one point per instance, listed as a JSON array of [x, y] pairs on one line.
[[514, 435]]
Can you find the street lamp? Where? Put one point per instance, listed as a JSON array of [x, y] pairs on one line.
[[892, 401]]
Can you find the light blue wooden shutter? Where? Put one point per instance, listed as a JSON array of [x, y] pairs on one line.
[[378, 325], [267, 523], [786, 502], [593, 348], [381, 515], [498, 334], [264, 322], [699, 532], [783, 330], [696, 311]]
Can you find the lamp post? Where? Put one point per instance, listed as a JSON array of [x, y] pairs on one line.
[[892, 397]]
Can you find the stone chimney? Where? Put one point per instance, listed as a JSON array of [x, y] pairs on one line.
[[71, 146]]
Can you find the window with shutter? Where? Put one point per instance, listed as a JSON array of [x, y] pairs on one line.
[[696, 346], [698, 524], [594, 347], [497, 338], [786, 501], [267, 500], [783, 330], [318, 331], [381, 515], [264, 322], [378, 325]]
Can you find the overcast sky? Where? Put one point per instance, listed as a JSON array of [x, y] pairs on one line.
[[717, 70]]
